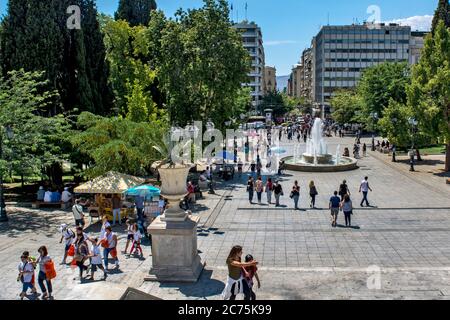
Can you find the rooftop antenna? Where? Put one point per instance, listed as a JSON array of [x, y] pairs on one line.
[[328, 18], [232, 12], [246, 10]]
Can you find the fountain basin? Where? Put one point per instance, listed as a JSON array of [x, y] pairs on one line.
[[321, 158], [345, 164]]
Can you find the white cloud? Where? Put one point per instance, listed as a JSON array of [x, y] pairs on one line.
[[279, 42], [421, 23]]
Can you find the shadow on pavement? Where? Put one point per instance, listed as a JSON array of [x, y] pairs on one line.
[[205, 287]]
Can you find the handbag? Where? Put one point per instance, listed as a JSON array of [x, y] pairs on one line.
[[50, 272]]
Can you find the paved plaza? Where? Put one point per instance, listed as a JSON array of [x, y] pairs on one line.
[[397, 249]]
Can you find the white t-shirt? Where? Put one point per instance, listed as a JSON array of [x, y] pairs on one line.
[[97, 258], [137, 236], [66, 196], [77, 211], [27, 267], [69, 236], [365, 186], [48, 196], [103, 230]]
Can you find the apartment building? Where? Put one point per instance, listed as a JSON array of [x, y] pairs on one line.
[[253, 41], [270, 79]]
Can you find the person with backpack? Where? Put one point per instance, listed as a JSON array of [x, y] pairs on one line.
[[46, 272], [343, 190], [313, 193], [269, 190], [96, 259], [278, 191], [250, 272], [295, 194], [26, 276], [68, 236], [81, 254]]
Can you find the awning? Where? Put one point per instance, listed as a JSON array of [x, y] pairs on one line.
[[110, 183]]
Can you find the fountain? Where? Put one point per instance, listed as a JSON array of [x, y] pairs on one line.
[[317, 158]]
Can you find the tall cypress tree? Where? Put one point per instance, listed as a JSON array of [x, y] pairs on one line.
[[442, 13], [35, 37], [136, 12]]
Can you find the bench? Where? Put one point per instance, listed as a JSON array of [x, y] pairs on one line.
[[62, 205]]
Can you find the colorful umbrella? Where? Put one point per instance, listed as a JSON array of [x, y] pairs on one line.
[[146, 191]]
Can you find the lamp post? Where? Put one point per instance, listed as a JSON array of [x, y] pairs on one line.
[[9, 135], [374, 116], [394, 149], [209, 128], [413, 122]]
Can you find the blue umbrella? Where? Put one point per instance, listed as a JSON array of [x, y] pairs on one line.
[[278, 150], [146, 191], [227, 155]]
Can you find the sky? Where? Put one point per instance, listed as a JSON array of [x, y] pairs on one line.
[[289, 25]]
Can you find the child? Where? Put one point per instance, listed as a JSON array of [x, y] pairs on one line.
[[137, 236], [130, 234], [96, 259], [249, 273], [68, 236], [26, 276]]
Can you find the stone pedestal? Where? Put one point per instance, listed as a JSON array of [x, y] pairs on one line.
[[174, 251]]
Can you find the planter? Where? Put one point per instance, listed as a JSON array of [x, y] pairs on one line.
[[173, 189]]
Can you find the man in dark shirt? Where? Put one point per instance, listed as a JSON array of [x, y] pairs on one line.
[[334, 207]]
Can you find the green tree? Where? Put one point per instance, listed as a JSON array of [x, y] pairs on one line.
[[118, 144], [202, 64], [37, 140], [35, 37], [136, 12], [381, 83], [442, 14], [429, 92], [347, 107], [274, 100], [394, 124], [128, 55]]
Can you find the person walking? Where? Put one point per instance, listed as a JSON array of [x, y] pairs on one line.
[[343, 190], [259, 188], [96, 259], [130, 235], [250, 189], [44, 261], [105, 224], [278, 191], [81, 254], [295, 194], [364, 148], [68, 236], [236, 283], [78, 214], [364, 188], [313, 193], [110, 247], [117, 205], [347, 208], [269, 190], [26, 277], [136, 246], [334, 206]]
